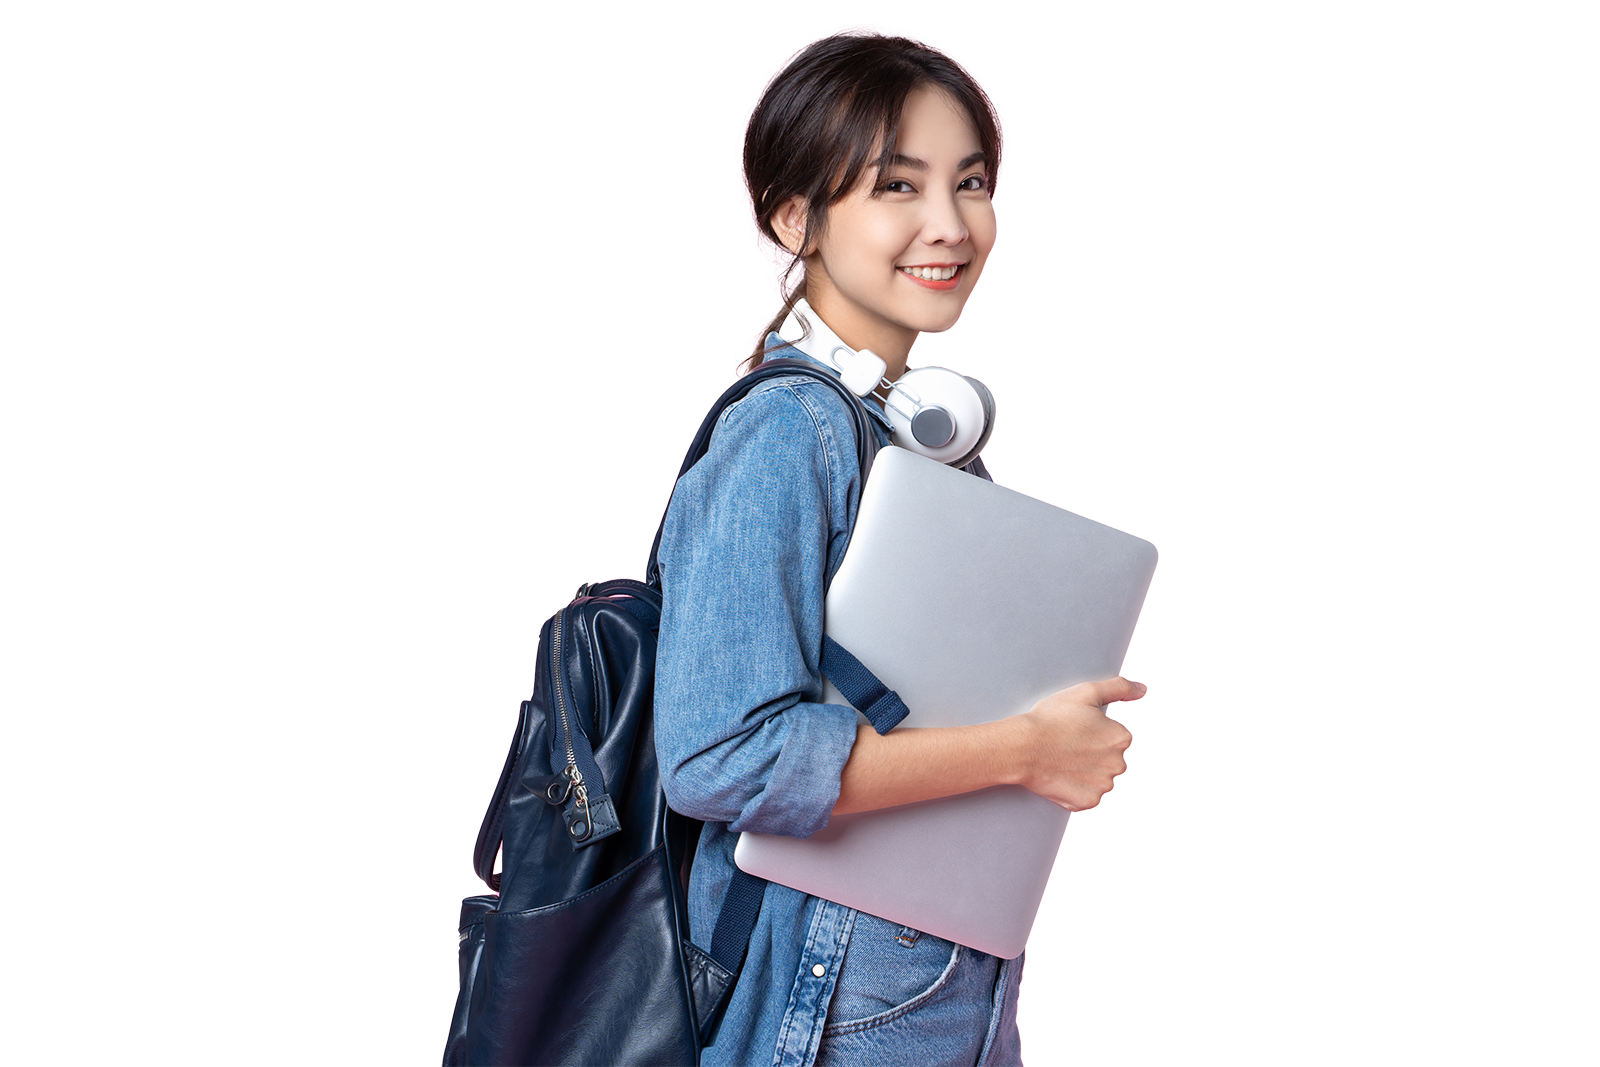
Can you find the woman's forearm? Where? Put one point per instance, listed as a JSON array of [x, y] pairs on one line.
[[908, 765], [1065, 749]]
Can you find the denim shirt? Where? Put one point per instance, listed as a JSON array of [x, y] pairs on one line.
[[754, 533]]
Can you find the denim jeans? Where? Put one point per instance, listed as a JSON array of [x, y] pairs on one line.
[[917, 1000]]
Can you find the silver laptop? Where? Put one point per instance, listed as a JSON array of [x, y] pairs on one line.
[[972, 601]]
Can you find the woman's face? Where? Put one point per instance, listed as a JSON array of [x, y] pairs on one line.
[[868, 274]]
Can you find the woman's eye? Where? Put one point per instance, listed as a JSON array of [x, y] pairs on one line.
[[974, 183], [897, 185]]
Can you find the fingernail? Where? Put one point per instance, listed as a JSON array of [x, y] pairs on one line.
[[1141, 687]]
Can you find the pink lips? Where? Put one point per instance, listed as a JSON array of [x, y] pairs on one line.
[[948, 283]]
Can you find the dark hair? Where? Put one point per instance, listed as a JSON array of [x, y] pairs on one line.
[[832, 113]]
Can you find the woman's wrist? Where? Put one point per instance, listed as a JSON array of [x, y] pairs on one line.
[[1018, 742]]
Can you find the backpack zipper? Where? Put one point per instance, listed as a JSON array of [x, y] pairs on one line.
[[580, 791]]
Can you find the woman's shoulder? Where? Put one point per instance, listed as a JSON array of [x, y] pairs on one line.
[[789, 413], [780, 461]]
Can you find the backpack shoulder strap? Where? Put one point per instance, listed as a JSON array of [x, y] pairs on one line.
[[866, 440], [737, 918]]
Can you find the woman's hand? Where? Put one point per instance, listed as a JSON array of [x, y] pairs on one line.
[[1075, 749]]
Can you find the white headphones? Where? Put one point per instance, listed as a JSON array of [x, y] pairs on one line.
[[935, 412]]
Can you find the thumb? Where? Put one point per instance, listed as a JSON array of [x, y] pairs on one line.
[[1116, 689]]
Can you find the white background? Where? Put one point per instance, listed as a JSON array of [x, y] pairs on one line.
[[342, 342]]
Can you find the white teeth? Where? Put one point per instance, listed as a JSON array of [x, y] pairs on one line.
[[932, 274]]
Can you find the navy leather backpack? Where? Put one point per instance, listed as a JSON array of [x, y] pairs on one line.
[[581, 954]]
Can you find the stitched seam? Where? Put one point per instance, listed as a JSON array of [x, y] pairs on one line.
[[892, 1014], [819, 421], [874, 413], [822, 439], [791, 386], [766, 388], [817, 922], [997, 1011], [819, 1017]]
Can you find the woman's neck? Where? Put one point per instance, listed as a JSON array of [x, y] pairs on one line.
[[859, 329]]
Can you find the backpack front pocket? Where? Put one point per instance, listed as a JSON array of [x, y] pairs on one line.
[[597, 979]]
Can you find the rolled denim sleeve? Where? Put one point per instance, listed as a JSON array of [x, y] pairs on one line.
[[752, 534]]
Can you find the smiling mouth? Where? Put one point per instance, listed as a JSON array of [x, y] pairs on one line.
[[945, 276]]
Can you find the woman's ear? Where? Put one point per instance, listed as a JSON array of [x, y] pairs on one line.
[[789, 223]]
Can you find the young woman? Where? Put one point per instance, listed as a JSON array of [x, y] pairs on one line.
[[871, 160]]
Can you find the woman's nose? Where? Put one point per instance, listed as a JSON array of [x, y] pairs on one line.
[[944, 224]]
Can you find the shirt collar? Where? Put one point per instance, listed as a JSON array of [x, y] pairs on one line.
[[777, 348]]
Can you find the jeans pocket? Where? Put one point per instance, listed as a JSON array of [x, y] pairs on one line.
[[888, 971]]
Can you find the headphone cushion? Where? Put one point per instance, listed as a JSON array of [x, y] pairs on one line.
[[988, 420]]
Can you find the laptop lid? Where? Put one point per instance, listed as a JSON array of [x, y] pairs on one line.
[[972, 601]]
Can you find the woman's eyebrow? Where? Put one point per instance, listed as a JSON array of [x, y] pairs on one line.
[[912, 163]]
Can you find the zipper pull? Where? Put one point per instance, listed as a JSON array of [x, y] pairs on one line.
[[588, 822], [579, 824]]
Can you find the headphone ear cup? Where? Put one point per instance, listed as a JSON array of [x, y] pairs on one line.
[[964, 402], [987, 399]]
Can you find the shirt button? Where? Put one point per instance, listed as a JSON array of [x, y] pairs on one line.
[[819, 970]]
